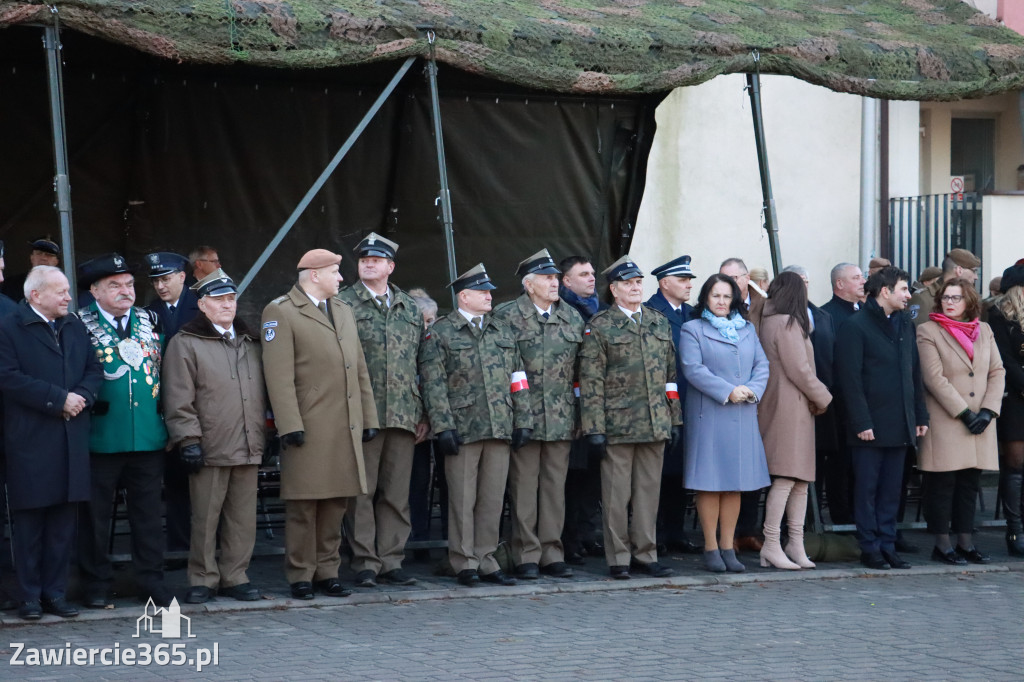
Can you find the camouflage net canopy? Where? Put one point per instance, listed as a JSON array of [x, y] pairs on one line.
[[894, 49]]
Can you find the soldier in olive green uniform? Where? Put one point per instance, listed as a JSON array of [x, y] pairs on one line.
[[390, 330], [549, 334], [476, 395], [957, 263], [630, 407], [128, 434]]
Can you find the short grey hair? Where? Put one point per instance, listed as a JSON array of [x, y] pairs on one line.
[[38, 278], [798, 269], [737, 261], [837, 272], [423, 300]]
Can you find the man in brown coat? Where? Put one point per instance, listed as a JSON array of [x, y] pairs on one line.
[[215, 409], [323, 406]]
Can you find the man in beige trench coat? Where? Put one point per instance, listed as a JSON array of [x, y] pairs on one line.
[[323, 407]]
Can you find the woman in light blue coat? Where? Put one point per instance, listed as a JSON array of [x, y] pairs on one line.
[[727, 372]]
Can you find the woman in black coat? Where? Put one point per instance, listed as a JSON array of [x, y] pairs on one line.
[[1006, 318]]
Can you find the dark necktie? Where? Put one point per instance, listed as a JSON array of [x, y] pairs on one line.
[[170, 309], [122, 326], [227, 336], [635, 317], [53, 326], [326, 311], [382, 301], [545, 315]]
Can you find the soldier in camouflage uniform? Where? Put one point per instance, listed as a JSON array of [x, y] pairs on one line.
[[549, 335], [390, 330], [476, 395], [630, 407]]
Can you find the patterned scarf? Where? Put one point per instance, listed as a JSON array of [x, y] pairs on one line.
[[726, 326], [965, 333]]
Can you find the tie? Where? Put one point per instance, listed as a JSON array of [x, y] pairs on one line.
[[227, 336], [122, 328], [476, 322], [170, 309], [382, 301], [326, 311], [545, 315], [635, 317], [53, 326]]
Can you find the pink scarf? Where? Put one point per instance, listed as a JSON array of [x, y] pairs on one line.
[[965, 333]]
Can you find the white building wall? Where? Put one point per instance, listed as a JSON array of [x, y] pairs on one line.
[[703, 194], [904, 149]]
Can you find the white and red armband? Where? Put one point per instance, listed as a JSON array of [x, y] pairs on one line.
[[519, 382], [672, 391]]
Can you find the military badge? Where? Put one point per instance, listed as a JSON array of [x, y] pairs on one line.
[[269, 335], [131, 352], [914, 310]]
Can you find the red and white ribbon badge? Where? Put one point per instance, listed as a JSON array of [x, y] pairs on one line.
[[576, 388], [519, 381], [672, 391]]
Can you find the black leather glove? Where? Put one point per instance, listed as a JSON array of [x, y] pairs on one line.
[[520, 437], [369, 434], [293, 439], [967, 417], [192, 457], [981, 421], [676, 438], [448, 442], [597, 444]]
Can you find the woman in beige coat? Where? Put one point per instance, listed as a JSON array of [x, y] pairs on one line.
[[964, 378], [786, 418]]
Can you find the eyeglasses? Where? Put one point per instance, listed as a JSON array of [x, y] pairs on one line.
[[952, 298]]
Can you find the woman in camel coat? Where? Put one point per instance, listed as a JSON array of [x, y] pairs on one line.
[[785, 417], [964, 377]]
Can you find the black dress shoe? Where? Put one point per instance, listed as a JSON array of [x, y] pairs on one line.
[[366, 578], [499, 578], [59, 607], [948, 557], [874, 560], [331, 587], [528, 571], [973, 555], [242, 592], [198, 594], [30, 610], [575, 559], [895, 560], [96, 598], [302, 590], [619, 572], [656, 570], [468, 577], [160, 595], [557, 569], [397, 576]]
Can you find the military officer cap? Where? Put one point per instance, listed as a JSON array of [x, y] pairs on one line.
[[475, 278], [217, 283], [373, 245], [540, 263], [107, 265], [45, 244], [680, 267], [164, 263], [318, 258], [622, 269]]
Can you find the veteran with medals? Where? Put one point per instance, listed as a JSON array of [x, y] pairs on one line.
[[128, 436]]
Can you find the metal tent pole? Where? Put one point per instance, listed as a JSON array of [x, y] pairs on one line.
[[444, 197], [61, 184], [768, 206], [322, 180]]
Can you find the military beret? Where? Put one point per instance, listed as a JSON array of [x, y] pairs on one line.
[[318, 258], [929, 273], [540, 263], [475, 278], [878, 264], [622, 269], [107, 265], [964, 258], [217, 283], [373, 245], [164, 263], [679, 267]]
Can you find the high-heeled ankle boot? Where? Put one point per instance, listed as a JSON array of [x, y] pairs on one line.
[[732, 564], [796, 511], [774, 508], [713, 561], [1010, 483]]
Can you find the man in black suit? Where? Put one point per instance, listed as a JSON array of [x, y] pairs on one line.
[[49, 376], [675, 280], [176, 306]]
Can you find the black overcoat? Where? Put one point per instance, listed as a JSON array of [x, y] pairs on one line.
[[47, 457], [879, 377], [1010, 340]]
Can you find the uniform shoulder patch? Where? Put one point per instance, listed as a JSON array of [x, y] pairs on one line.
[[269, 324], [269, 334]]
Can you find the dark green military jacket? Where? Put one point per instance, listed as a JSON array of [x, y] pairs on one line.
[[467, 379], [628, 377], [391, 342], [550, 350]]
